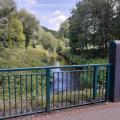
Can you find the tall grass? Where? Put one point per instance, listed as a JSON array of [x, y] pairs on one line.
[[20, 57]]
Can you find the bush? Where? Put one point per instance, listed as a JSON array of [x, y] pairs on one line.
[[18, 57], [86, 57]]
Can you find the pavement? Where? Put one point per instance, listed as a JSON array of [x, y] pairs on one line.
[[106, 111]]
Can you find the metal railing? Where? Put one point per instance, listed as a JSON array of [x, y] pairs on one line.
[[25, 91]]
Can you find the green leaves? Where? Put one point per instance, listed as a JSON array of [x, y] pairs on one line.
[[48, 41], [30, 26], [91, 23]]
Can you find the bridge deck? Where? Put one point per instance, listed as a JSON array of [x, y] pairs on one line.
[[110, 111]]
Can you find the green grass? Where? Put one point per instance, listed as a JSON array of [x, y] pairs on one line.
[[67, 99], [20, 57], [87, 57]]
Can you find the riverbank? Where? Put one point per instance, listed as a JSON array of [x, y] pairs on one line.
[[20, 57], [32, 57], [86, 57]]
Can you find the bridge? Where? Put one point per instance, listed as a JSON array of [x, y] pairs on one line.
[[28, 91]]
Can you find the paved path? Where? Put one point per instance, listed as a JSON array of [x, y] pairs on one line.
[[95, 112]]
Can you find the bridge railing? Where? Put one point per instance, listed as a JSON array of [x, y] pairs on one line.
[[26, 91]]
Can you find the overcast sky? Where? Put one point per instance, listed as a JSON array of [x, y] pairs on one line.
[[49, 12]]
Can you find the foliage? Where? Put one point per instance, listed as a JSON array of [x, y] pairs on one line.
[[64, 29], [55, 33], [92, 23], [15, 30], [11, 29], [7, 4], [86, 57], [20, 57], [50, 42], [30, 26]]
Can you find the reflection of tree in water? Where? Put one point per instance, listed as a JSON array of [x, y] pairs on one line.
[[65, 80]]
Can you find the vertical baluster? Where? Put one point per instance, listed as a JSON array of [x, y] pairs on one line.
[[37, 92], [90, 72], [79, 88], [47, 89], [9, 92], [103, 84], [86, 83], [53, 89], [95, 82], [100, 71], [74, 93], [21, 91], [26, 89], [66, 88], [42, 91], [31, 82], [62, 89], [3, 94], [58, 88], [15, 94], [70, 88], [83, 86]]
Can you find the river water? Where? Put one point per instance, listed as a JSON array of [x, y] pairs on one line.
[[63, 80]]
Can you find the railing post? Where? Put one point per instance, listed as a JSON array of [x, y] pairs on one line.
[[114, 59], [95, 82], [47, 89]]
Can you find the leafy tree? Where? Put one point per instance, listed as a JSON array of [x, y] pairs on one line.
[[7, 4], [15, 31], [47, 40], [7, 9], [30, 26], [64, 29], [116, 20], [91, 23]]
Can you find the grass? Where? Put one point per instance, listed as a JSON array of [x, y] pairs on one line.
[[20, 57], [86, 57], [62, 99]]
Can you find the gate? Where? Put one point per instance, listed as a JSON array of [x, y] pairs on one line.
[[26, 91]]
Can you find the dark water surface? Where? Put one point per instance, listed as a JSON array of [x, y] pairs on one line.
[[62, 80]]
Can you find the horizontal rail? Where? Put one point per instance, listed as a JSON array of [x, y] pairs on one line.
[[51, 67]]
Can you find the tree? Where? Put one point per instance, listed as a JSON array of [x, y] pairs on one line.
[[7, 9], [30, 26], [116, 19], [15, 31], [91, 23], [47, 40], [64, 29], [7, 4]]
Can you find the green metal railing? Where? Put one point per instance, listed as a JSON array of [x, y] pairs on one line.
[[25, 91]]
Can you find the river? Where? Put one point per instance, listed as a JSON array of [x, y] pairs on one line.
[[62, 79]]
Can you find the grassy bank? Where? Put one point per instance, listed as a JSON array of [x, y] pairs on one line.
[[20, 57], [86, 57]]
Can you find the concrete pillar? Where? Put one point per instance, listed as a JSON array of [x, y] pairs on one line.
[[114, 59]]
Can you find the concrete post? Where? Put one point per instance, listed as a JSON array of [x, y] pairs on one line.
[[114, 59]]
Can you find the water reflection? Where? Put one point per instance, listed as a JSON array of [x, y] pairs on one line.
[[63, 80]]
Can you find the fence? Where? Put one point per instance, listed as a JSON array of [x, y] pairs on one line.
[[25, 91]]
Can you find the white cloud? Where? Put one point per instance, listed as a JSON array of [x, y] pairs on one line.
[[34, 13], [45, 17], [57, 12], [31, 1], [59, 19], [55, 18]]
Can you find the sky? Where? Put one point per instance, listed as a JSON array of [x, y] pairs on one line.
[[50, 13]]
